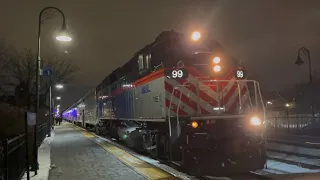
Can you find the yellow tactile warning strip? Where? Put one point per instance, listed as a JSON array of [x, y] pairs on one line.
[[142, 167]]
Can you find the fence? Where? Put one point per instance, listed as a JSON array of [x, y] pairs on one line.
[[294, 125], [13, 154]]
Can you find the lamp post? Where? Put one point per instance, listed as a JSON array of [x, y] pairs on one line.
[[62, 37], [299, 62], [50, 108], [287, 105]]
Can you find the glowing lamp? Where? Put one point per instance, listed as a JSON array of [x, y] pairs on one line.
[[63, 38], [196, 36], [216, 60], [194, 124], [256, 121], [59, 86], [64, 35], [217, 68]]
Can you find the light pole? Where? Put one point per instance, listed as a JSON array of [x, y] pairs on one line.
[[299, 62], [287, 105], [62, 37], [50, 108]]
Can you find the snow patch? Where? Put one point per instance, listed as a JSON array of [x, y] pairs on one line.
[[276, 167], [43, 160]]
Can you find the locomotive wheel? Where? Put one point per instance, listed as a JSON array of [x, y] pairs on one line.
[[97, 130]]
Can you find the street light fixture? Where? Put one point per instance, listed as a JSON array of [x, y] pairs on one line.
[[299, 62], [58, 98], [63, 37], [268, 103], [59, 86]]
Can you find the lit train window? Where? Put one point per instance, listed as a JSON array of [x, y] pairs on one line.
[[176, 73]]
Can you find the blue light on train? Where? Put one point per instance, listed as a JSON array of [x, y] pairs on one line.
[[74, 113]]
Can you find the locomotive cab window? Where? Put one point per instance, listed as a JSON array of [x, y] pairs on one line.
[[144, 61], [140, 62], [147, 61]]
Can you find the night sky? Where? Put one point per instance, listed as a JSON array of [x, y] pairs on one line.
[[264, 34]]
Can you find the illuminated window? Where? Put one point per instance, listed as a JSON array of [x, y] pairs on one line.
[[140, 62], [147, 61]]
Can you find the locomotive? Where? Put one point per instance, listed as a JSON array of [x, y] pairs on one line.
[[189, 103]]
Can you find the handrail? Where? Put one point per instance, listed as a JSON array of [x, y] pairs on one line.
[[15, 153]]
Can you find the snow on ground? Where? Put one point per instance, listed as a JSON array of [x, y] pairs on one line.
[[277, 167], [43, 160]]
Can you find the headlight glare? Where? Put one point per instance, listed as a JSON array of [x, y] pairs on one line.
[[256, 121]]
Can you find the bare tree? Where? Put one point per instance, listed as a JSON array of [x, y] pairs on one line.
[[4, 50], [21, 67]]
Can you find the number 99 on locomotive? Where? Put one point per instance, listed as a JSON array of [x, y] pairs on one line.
[[176, 73], [240, 73]]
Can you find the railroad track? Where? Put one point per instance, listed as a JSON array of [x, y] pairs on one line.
[[245, 176], [301, 154]]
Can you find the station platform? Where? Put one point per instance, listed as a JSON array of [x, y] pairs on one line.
[[76, 154]]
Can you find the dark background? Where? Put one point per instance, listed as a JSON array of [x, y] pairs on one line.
[[264, 34]]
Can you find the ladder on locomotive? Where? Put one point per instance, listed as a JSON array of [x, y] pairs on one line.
[[199, 116]]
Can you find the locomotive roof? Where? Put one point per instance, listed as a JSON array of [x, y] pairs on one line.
[[164, 35]]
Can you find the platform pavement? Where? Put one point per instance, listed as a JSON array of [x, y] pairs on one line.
[[77, 157], [69, 155], [71, 161]]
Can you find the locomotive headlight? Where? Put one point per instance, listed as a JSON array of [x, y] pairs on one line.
[[196, 36], [256, 121], [217, 68], [216, 60]]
